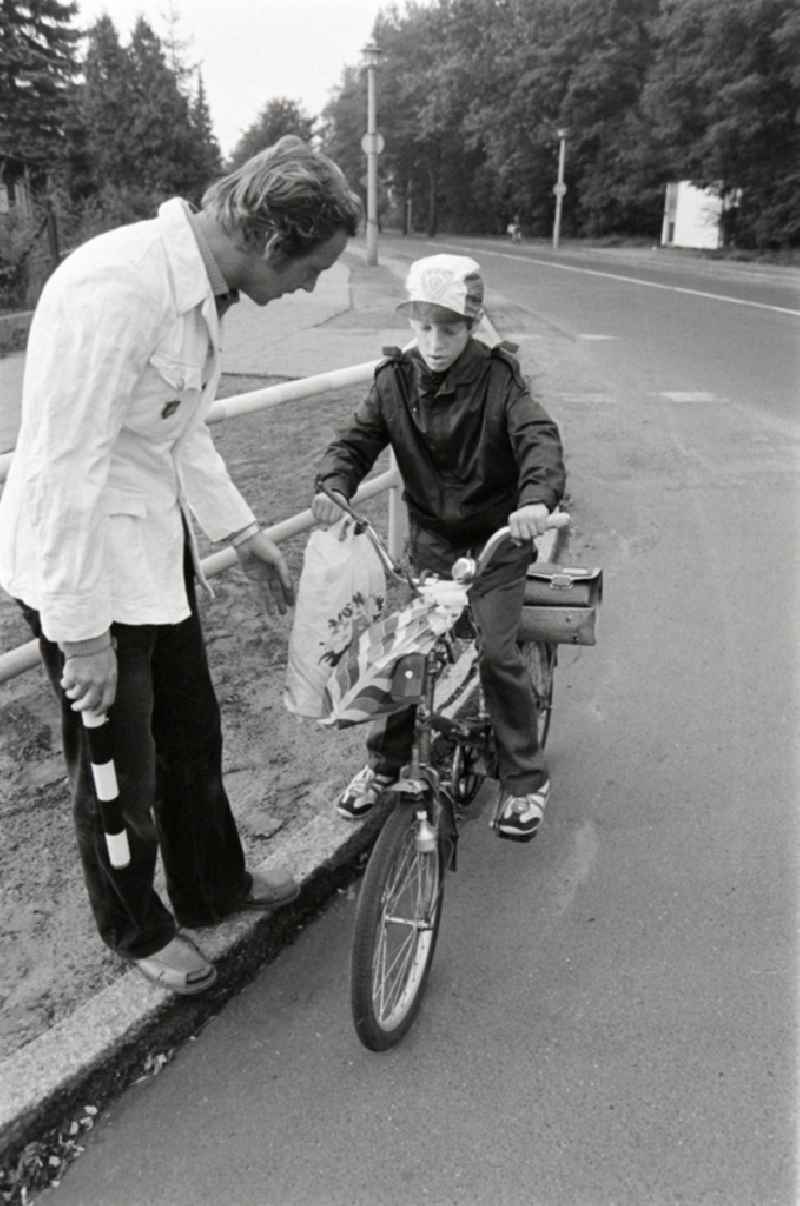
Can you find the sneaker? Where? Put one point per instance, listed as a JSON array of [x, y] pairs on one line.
[[519, 817], [361, 793]]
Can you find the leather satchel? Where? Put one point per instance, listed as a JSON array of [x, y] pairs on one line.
[[561, 604]]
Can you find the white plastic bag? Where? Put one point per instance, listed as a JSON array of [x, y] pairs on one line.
[[342, 590]]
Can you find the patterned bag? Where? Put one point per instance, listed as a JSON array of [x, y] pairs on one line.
[[360, 686]]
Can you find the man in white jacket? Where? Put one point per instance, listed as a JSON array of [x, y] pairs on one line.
[[113, 453]]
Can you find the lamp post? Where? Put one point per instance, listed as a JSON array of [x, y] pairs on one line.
[[559, 188], [372, 145]]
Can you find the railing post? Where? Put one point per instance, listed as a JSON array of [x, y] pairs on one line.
[[397, 527]]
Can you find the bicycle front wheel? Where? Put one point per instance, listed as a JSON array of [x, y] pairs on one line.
[[540, 658], [397, 923]]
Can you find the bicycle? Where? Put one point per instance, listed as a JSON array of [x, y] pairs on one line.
[[402, 894]]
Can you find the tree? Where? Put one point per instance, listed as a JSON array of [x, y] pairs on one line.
[[159, 123], [107, 101], [609, 48], [175, 48], [342, 125], [37, 66], [471, 94], [723, 97], [209, 159], [278, 117], [144, 136]]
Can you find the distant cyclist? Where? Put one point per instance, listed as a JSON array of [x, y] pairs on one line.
[[514, 229]]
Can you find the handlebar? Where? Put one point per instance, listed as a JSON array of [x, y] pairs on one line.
[[363, 525], [465, 570], [558, 519]]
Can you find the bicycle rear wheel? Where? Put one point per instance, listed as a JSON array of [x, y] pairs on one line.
[[397, 923], [540, 658]]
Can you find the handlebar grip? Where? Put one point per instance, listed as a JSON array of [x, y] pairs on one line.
[[104, 774], [558, 519]]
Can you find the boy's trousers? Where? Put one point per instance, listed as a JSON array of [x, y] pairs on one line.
[[504, 676], [167, 744]]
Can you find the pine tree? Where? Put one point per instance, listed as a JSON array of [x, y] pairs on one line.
[[144, 137], [107, 103], [278, 117], [207, 152], [37, 65], [160, 128]]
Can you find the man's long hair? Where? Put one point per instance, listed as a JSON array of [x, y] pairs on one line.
[[288, 193]]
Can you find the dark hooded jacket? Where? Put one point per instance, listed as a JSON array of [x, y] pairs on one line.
[[471, 444]]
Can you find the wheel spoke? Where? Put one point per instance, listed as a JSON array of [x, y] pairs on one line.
[[393, 978], [405, 927]]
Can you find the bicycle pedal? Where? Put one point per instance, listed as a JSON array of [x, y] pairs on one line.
[[410, 787]]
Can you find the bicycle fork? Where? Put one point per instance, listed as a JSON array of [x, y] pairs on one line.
[[419, 783]]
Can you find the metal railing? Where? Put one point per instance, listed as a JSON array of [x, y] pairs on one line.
[[25, 657]]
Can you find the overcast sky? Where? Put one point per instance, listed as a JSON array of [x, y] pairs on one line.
[[253, 50]]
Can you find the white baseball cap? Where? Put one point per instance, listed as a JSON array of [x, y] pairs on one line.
[[450, 283]]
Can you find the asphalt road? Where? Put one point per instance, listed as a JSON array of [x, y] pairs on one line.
[[612, 1014]]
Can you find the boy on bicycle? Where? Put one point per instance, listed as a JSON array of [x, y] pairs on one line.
[[475, 452]]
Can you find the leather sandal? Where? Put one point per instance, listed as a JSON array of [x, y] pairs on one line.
[[179, 966], [269, 889]]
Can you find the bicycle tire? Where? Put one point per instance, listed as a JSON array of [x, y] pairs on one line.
[[541, 658], [396, 927]]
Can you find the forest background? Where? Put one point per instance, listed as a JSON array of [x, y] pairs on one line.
[[471, 94]]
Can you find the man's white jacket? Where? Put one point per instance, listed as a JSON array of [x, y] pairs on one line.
[[122, 366]]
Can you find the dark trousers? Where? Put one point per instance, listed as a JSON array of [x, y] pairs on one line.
[[504, 676], [167, 744]]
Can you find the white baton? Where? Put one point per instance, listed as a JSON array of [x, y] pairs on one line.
[[101, 757]]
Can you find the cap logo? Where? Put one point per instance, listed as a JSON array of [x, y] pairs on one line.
[[435, 283]]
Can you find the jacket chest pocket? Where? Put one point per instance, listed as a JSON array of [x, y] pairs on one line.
[[170, 394]]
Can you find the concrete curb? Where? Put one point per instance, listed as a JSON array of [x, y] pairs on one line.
[[96, 1051]]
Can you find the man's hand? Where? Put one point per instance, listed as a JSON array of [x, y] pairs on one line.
[[529, 521], [90, 681], [264, 564], [324, 510]]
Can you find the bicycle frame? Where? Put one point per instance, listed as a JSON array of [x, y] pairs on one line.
[[437, 798], [419, 781]]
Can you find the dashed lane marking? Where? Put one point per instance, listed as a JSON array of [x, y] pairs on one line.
[[679, 395]]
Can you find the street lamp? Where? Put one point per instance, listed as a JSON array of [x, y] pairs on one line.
[[372, 145], [559, 188]]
